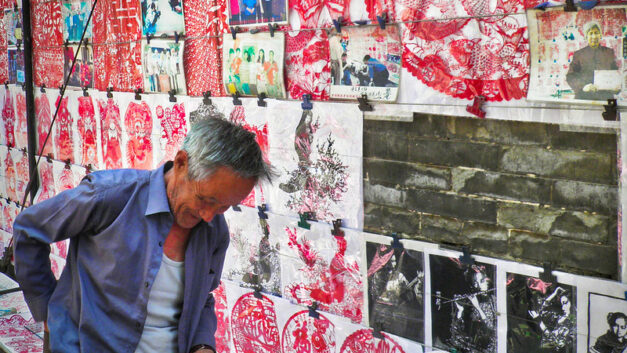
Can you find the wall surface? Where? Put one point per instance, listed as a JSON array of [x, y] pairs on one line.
[[529, 192]]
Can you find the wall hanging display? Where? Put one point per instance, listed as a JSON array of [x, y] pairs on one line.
[[21, 133], [162, 17], [110, 133], [16, 66], [48, 66], [163, 66], [63, 138], [118, 66], [365, 60], [578, 57], [607, 324], [307, 65], [13, 26], [173, 127], [75, 14], [138, 134], [83, 73], [256, 12], [253, 64], [203, 66]]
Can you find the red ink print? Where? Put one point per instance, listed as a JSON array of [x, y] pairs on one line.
[[138, 123], [8, 116], [254, 326], [63, 132], [119, 66], [21, 134], [307, 65], [47, 181], [48, 66], [110, 134], [117, 21], [10, 177], [42, 106], [173, 128], [87, 131], [304, 334], [362, 341], [223, 332]]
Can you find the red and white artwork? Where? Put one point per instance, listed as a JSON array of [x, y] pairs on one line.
[[10, 175], [46, 181], [4, 55], [21, 134], [8, 118], [307, 64], [173, 124], [87, 131], [57, 264], [117, 21], [138, 128], [318, 13], [46, 25], [362, 341], [20, 158], [205, 17], [15, 302], [44, 119], [223, 331], [203, 66], [48, 66], [119, 66], [65, 176], [467, 57], [63, 131], [111, 133], [305, 334], [254, 325], [16, 338]]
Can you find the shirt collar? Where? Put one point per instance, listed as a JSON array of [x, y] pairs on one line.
[[157, 196]]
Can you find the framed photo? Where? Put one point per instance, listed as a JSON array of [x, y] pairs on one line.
[[578, 57], [75, 14], [163, 66], [365, 60], [607, 324], [256, 12], [162, 17], [13, 26], [83, 73]]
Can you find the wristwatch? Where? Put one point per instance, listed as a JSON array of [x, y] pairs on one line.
[[199, 347]]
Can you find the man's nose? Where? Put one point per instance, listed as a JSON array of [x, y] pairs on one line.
[[207, 214]]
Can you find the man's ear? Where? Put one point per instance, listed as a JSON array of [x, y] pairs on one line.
[[181, 162]]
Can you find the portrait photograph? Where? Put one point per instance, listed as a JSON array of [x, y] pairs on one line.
[[13, 26], [83, 73], [163, 66], [607, 324], [16, 66], [162, 17], [75, 14], [253, 64], [256, 12], [365, 60], [578, 57]]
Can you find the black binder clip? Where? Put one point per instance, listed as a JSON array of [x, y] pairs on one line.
[[234, 31], [312, 310], [43, 88], [364, 106], [257, 293], [610, 113], [338, 24], [85, 93], [66, 43], [236, 100], [475, 108], [148, 38], [236, 208], [61, 89], [570, 6], [6, 84], [466, 258], [206, 98], [49, 158], [109, 92], [361, 23], [254, 30], [304, 217], [382, 19], [176, 37], [337, 228], [172, 97], [547, 274], [262, 211], [307, 104], [68, 164], [138, 95], [376, 330], [396, 242], [272, 27], [261, 100]]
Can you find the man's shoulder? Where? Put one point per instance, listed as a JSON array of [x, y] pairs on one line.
[[121, 178]]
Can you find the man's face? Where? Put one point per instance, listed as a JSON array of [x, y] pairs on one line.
[[594, 37], [192, 201], [620, 329]]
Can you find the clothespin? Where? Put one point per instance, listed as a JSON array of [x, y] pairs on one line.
[[312, 310], [85, 93], [547, 274], [109, 92], [361, 23], [236, 100], [6, 84], [262, 211], [542, 6], [176, 37], [257, 293], [475, 108], [376, 330], [570, 6], [588, 5], [610, 113], [172, 97], [206, 100], [303, 220], [66, 43], [307, 104], [234, 31], [338, 24], [236, 208], [148, 37], [396, 242], [138, 95], [272, 27], [364, 106], [85, 41], [68, 164], [49, 157], [337, 231], [466, 258], [261, 100], [382, 19], [254, 31]]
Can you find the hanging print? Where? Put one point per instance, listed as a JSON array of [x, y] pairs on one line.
[[75, 15], [119, 66], [305, 334], [48, 66], [46, 181], [163, 66], [256, 12], [44, 120], [173, 127], [21, 133], [83, 73], [63, 131], [16, 66], [111, 133], [87, 131], [13, 26], [46, 25], [162, 17], [223, 331], [307, 64], [8, 118], [138, 129], [203, 66], [607, 324], [117, 21]]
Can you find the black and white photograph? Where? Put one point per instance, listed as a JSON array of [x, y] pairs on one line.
[[162, 17], [541, 316], [163, 66], [83, 73], [256, 12], [463, 305], [396, 290], [607, 324]]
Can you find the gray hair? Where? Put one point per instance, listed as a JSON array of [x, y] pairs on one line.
[[590, 25], [214, 142]]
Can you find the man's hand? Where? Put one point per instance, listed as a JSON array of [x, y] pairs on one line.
[[46, 326]]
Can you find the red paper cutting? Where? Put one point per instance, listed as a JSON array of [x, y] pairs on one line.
[[305, 334], [362, 341], [118, 66], [117, 21], [87, 131], [21, 169], [11, 182], [110, 134], [223, 332], [4, 57], [307, 65], [203, 66], [21, 133], [254, 324], [46, 22], [205, 17], [48, 66], [47, 181], [138, 124], [66, 180], [173, 128], [63, 132], [44, 119], [310, 11], [17, 337], [8, 116]]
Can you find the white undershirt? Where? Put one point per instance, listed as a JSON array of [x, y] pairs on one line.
[[165, 303]]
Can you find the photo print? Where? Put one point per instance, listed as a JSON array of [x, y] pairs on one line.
[[253, 64], [162, 17], [607, 324], [75, 14], [257, 12], [83, 73], [163, 66], [396, 290], [541, 316], [13, 26], [365, 60], [579, 56], [463, 305], [16, 66]]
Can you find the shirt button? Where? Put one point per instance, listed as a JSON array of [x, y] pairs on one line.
[[160, 243]]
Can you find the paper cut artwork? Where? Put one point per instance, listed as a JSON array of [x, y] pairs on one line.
[[17, 302], [365, 60], [467, 57], [541, 316], [75, 14], [205, 17], [13, 26], [253, 64], [46, 25], [20, 158], [254, 325], [63, 129], [111, 133], [250, 13], [320, 267], [223, 331], [162, 17], [65, 176], [396, 290], [463, 305], [44, 120], [138, 125], [117, 21], [307, 64], [16, 66], [203, 66], [16, 337], [57, 264], [119, 66], [163, 66], [9, 216], [318, 13], [362, 341], [173, 128], [83, 73], [46, 182], [578, 56], [607, 324], [21, 134], [4, 56], [87, 130], [9, 174], [8, 118], [253, 256], [48, 66], [305, 334]]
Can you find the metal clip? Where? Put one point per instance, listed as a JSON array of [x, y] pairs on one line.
[[382, 19], [364, 106], [109, 92], [261, 99], [206, 100], [307, 104], [85, 93], [475, 108], [236, 100], [312, 310], [610, 113], [176, 37], [172, 97], [547, 274], [138, 95], [272, 27], [466, 258], [337, 231]]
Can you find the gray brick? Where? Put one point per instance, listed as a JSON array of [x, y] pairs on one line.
[[486, 239], [589, 257], [407, 174], [442, 229], [382, 220], [573, 165], [536, 248], [499, 131], [385, 146], [429, 125], [526, 217], [581, 226], [576, 195], [464, 208], [453, 153], [385, 126], [594, 142], [383, 195], [501, 186]]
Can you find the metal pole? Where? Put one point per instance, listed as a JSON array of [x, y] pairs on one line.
[[30, 98]]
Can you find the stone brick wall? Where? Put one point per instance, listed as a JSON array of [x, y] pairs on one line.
[[529, 192]]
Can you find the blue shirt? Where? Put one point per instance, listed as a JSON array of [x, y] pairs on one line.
[[117, 222], [374, 65]]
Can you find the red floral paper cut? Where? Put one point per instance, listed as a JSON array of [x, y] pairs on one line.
[[21, 169], [8, 116], [46, 180], [254, 325], [205, 17], [48, 66], [111, 133], [223, 331], [173, 128], [4, 56], [118, 66], [310, 11], [44, 119], [378, 7], [10, 179], [305, 334], [46, 24], [203, 66], [87, 131], [362, 341], [21, 133], [117, 21], [307, 65], [138, 124], [63, 132]]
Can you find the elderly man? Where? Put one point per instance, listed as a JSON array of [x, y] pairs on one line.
[[146, 248], [594, 56]]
